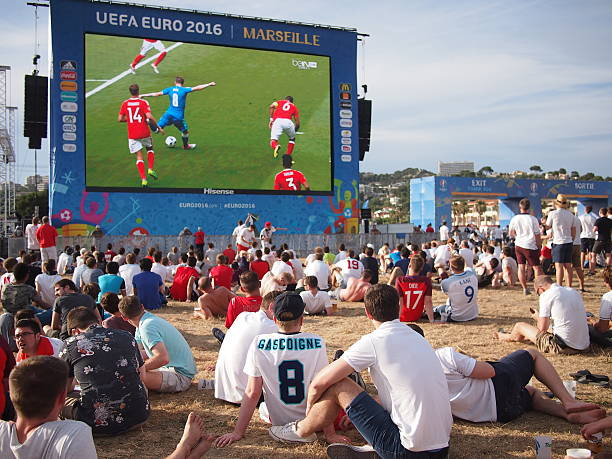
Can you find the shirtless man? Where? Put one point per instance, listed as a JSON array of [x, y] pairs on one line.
[[271, 283], [356, 288], [212, 301]]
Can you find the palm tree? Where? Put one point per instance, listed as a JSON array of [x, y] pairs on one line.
[[481, 208]]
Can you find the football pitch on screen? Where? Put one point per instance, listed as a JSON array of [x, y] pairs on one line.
[[227, 122]]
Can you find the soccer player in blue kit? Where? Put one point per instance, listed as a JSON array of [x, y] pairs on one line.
[[175, 114]]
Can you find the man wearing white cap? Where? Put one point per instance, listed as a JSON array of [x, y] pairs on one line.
[[561, 221], [266, 234]]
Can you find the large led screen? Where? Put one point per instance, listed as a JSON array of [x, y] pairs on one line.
[[227, 124]]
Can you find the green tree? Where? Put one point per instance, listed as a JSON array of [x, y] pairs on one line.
[[535, 168], [562, 171], [25, 204], [574, 174], [486, 170]]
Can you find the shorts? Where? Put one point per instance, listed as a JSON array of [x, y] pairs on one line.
[[562, 253], [524, 256], [281, 125], [512, 374], [173, 381], [167, 119], [147, 46], [379, 430], [586, 244], [241, 248], [601, 246], [48, 253], [576, 257], [552, 344], [136, 145]]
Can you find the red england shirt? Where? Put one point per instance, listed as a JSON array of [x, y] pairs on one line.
[[259, 267], [135, 111], [240, 304], [412, 290], [289, 179], [284, 109], [46, 235]]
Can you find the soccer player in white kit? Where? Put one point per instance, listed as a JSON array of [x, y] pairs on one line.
[[147, 45], [282, 364]]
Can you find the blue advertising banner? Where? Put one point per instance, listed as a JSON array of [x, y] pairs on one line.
[[431, 197], [258, 117]]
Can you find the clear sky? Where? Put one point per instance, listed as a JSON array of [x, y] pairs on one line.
[[506, 84]]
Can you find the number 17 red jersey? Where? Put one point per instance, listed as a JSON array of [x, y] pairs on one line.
[[135, 111], [412, 291]]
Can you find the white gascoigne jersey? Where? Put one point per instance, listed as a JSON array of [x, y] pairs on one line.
[[350, 268], [287, 363], [462, 291]]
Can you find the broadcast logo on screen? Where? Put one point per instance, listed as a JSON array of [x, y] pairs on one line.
[[68, 86], [68, 65], [346, 123], [68, 75]]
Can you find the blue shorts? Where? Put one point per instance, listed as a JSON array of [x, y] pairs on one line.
[[168, 119], [512, 374], [562, 253], [376, 426]]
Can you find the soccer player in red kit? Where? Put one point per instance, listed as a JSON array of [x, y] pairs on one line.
[[414, 292], [282, 116], [137, 113], [147, 44], [290, 179]]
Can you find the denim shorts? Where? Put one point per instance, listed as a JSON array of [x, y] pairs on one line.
[[377, 428], [562, 253]]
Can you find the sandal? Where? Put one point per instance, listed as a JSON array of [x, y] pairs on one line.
[[587, 377]]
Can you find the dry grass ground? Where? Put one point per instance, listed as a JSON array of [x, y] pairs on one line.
[[497, 309]]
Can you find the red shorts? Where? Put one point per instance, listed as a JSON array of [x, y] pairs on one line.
[[241, 248], [527, 256]]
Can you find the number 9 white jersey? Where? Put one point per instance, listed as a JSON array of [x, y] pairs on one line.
[[462, 291], [287, 364]]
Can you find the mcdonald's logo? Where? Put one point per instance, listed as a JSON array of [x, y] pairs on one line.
[[68, 85], [345, 87]]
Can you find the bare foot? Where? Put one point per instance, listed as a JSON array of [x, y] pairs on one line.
[[204, 445], [576, 406], [194, 427], [584, 417], [502, 336]]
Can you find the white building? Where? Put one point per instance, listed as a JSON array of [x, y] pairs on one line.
[[452, 168]]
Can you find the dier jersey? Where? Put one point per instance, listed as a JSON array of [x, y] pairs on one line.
[[289, 179], [287, 363], [135, 110], [462, 291], [412, 290], [178, 100], [284, 109]]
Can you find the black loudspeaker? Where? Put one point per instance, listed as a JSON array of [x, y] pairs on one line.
[[35, 117], [365, 124]]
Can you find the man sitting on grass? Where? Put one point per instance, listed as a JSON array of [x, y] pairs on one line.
[[249, 285], [291, 357], [230, 379], [462, 291], [107, 365], [355, 289], [413, 417], [38, 390], [169, 364], [316, 301], [30, 341], [212, 302], [564, 307]]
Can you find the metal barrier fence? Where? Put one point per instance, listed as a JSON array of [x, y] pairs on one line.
[[302, 244]]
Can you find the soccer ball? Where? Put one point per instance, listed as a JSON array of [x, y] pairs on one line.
[[171, 141]]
